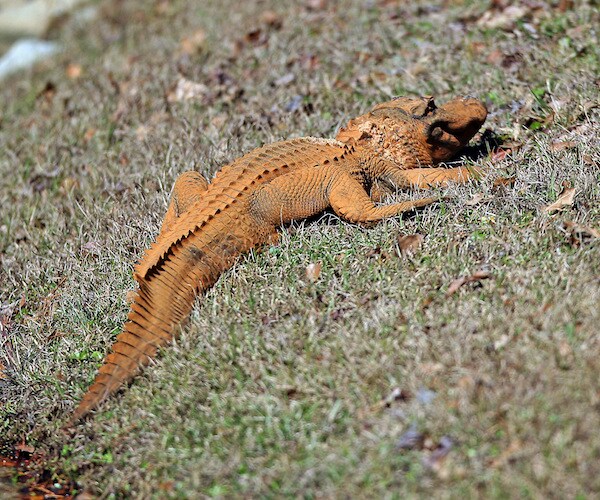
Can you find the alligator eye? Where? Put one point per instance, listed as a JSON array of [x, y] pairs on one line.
[[438, 135]]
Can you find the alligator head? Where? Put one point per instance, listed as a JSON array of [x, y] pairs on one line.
[[409, 130]]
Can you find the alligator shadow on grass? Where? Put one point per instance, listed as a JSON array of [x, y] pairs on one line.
[[488, 142]]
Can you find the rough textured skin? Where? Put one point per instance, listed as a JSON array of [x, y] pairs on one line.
[[207, 226]]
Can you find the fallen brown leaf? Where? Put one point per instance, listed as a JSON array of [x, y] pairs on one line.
[[504, 19], [409, 244], [478, 198], [412, 439], [565, 5], [504, 182], [437, 456], [256, 36], [68, 184], [588, 160], [559, 146], [580, 234], [316, 4], [565, 356], [500, 154], [565, 199], [193, 43], [313, 270], [48, 92], [377, 252], [284, 80], [73, 71], [91, 248], [458, 282], [495, 57], [507, 454], [185, 90], [24, 448], [271, 18], [89, 134]]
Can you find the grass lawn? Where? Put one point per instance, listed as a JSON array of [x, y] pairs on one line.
[[376, 378]]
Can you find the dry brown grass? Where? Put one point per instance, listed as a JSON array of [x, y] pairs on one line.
[[278, 386]]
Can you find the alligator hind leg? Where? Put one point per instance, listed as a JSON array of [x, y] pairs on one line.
[[188, 189]]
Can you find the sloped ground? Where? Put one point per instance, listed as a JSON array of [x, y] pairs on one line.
[[375, 379]]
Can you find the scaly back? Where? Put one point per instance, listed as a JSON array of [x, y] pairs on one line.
[[188, 258]]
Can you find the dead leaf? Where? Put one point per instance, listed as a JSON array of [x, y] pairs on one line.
[[565, 356], [316, 4], [502, 342], [579, 234], [256, 37], [478, 198], [504, 19], [142, 132], [559, 146], [588, 160], [500, 154], [429, 369], [7, 462], [194, 43], [24, 448], [409, 244], [397, 394], [185, 90], [458, 282], [285, 80], [565, 5], [427, 301], [313, 270], [338, 313], [437, 456], [56, 334], [91, 248], [73, 71], [377, 252], [68, 184], [504, 182], [89, 134], [565, 199], [412, 439], [495, 57], [2, 371], [48, 92], [309, 62], [272, 19], [507, 454]]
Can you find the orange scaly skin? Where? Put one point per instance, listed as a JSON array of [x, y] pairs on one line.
[[208, 225]]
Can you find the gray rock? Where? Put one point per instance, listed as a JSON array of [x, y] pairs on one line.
[[31, 17], [25, 53]]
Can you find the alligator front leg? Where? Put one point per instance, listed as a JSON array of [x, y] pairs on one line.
[[436, 177], [188, 189], [350, 201], [309, 191]]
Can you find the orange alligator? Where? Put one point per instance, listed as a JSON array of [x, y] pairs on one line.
[[209, 225]]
